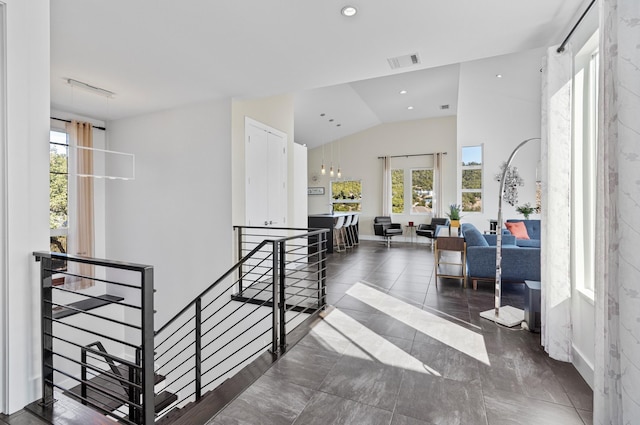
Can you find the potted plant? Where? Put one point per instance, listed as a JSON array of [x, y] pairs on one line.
[[454, 215], [526, 210]]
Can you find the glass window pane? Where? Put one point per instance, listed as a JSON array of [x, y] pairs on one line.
[[58, 180], [472, 179], [422, 191], [472, 155], [346, 195], [397, 191], [472, 201]]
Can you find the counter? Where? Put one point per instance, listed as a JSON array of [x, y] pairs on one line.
[[328, 221]]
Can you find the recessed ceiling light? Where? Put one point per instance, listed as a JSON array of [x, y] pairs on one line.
[[403, 92], [409, 107], [498, 75], [349, 11]]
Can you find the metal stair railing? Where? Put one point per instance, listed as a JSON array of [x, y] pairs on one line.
[[243, 313], [72, 318], [277, 282]]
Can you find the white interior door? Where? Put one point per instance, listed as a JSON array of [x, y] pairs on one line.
[[266, 175]]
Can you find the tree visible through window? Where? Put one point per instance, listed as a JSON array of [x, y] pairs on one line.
[[397, 191], [422, 191], [472, 178]]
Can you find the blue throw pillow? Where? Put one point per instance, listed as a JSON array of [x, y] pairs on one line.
[[473, 237]]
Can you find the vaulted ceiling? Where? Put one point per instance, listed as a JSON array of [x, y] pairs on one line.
[[159, 54]]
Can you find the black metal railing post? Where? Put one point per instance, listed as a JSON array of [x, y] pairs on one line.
[[275, 268], [240, 267], [83, 375], [46, 313], [134, 393], [198, 348], [148, 380], [282, 307], [322, 299]]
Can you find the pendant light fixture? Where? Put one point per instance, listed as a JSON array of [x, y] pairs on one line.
[[331, 168], [322, 170]]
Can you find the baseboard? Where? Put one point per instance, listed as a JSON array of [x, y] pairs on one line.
[[583, 366]]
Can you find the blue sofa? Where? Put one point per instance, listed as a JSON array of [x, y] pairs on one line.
[[533, 230], [518, 263]]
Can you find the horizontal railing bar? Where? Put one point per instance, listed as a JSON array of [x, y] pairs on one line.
[[174, 333], [95, 261], [102, 390], [170, 383], [96, 352], [235, 352], [175, 357], [237, 365], [206, 291], [80, 311], [308, 231], [189, 357], [97, 369], [95, 406], [57, 288], [177, 342], [91, 332], [95, 279], [237, 336], [247, 315]]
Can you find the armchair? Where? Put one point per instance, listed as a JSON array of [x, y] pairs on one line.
[[431, 230], [382, 226]]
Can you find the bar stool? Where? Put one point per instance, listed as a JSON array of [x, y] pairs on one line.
[[355, 240], [338, 228], [345, 231]]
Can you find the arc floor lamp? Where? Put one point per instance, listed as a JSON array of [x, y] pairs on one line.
[[504, 315]]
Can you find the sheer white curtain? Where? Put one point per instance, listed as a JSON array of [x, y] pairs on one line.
[[617, 283], [556, 204], [386, 186], [438, 209]]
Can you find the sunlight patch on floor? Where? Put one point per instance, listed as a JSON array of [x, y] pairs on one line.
[[367, 344], [458, 337]]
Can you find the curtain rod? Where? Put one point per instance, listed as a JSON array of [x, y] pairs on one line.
[[566, 40], [94, 126], [407, 156]]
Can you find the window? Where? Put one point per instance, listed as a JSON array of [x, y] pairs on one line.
[[420, 198], [472, 178], [346, 195], [397, 191], [584, 165], [58, 191], [421, 191]]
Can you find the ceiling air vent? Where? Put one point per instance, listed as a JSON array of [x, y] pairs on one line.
[[443, 107], [404, 61]]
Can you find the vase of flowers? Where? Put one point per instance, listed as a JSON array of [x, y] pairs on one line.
[[526, 210]]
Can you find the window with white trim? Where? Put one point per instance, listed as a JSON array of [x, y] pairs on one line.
[[471, 181], [58, 190]]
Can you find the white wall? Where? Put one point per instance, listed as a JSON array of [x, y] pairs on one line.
[[176, 214], [359, 161], [499, 113], [276, 112], [299, 207], [24, 209]]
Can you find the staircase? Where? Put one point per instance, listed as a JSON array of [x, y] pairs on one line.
[[211, 350]]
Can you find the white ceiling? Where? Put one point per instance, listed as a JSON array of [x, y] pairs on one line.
[[158, 54]]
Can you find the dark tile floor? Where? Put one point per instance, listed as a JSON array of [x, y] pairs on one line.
[[399, 350]]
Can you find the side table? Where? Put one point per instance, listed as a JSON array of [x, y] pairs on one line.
[[450, 267], [411, 229]]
